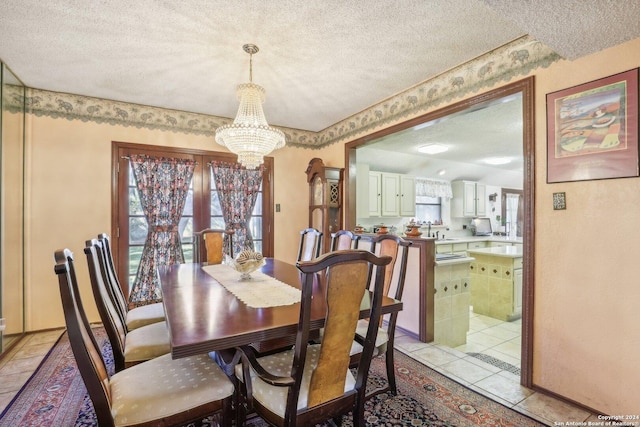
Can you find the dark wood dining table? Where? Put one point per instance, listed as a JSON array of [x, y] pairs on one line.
[[202, 316]]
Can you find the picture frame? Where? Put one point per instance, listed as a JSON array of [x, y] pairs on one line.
[[592, 130]]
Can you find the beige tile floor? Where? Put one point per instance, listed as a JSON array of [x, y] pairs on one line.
[[502, 341], [502, 386]]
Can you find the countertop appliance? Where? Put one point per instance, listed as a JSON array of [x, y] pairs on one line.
[[481, 227]]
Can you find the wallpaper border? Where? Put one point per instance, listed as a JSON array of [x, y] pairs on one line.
[[517, 58]]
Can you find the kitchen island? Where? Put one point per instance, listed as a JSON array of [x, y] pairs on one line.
[[452, 298], [496, 282]]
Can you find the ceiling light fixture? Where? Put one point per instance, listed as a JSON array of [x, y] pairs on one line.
[[250, 136], [497, 160], [433, 148]]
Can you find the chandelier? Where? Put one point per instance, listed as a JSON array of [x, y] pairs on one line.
[[250, 136]]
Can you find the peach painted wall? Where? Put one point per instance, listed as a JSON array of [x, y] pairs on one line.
[[587, 293], [68, 200], [586, 274]]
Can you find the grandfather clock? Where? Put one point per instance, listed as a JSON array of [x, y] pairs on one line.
[[325, 199]]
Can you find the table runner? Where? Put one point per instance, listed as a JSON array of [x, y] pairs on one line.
[[261, 291]]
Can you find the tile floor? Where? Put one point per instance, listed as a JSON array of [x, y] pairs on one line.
[[500, 340], [487, 336]]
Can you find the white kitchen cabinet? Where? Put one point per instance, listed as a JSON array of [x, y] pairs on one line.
[[398, 195], [469, 199], [384, 194], [390, 194], [407, 195], [374, 205], [362, 191]]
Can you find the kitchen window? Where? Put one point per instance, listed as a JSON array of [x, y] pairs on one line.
[[429, 209]]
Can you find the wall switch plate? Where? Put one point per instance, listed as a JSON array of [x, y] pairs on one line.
[[559, 201], [2, 324], [277, 207]]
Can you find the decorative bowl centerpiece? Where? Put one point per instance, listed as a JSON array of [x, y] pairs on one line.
[[246, 263]]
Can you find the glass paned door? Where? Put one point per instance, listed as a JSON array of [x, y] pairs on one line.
[[138, 227]]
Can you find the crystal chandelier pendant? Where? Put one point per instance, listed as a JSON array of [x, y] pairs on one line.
[[250, 136]]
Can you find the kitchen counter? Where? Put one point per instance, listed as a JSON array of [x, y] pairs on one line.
[[468, 239], [451, 261], [501, 251]]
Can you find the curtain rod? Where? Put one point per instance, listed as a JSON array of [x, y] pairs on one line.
[[129, 158]]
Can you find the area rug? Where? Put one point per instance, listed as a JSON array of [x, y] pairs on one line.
[[55, 396]]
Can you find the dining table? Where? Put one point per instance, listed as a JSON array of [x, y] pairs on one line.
[[203, 316]]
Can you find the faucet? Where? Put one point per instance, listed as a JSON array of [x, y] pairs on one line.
[[437, 233]]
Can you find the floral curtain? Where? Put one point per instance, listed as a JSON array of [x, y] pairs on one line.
[[426, 187], [238, 190], [163, 186]]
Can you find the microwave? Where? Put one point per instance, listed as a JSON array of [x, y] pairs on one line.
[[481, 226]]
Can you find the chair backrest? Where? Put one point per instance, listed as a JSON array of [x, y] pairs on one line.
[[211, 244], [112, 276], [344, 239], [345, 275], [310, 244], [111, 319], [398, 249], [83, 343]]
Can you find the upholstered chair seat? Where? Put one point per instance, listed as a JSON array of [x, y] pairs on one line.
[[161, 387], [159, 392], [144, 315], [146, 342], [279, 364]]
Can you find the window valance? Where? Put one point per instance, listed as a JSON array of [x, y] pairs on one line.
[[426, 187]]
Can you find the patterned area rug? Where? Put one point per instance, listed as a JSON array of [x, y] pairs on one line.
[[55, 396]]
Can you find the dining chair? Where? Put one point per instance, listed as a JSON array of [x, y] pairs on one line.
[[159, 392], [393, 286], [310, 244], [129, 347], [211, 244], [312, 383], [135, 317], [344, 239]]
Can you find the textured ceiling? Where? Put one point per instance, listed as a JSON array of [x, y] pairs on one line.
[[319, 62]]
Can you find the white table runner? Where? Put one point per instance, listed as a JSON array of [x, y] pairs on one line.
[[261, 291]]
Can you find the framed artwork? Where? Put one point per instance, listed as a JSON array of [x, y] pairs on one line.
[[592, 130]]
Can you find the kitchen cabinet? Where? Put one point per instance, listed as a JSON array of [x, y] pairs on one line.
[[398, 195], [469, 199], [374, 200], [382, 194], [407, 195], [451, 304], [368, 192], [390, 194]]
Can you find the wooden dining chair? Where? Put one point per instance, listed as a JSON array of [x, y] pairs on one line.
[[393, 286], [211, 244], [310, 244], [344, 239], [129, 347], [137, 316], [312, 383], [159, 392]]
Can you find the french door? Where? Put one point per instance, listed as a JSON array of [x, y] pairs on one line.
[[202, 208]]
